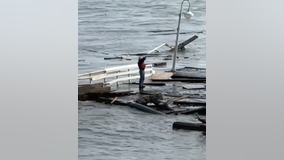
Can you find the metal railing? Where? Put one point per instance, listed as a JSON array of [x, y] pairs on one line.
[[116, 74]]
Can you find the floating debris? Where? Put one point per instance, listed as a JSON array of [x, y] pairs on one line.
[[121, 57], [159, 64], [90, 50], [168, 58]]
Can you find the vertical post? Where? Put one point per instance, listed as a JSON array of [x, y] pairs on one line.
[[176, 45]]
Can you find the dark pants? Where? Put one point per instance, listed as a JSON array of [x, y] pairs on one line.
[[142, 78]]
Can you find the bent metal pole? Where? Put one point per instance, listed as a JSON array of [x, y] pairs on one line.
[[176, 45]]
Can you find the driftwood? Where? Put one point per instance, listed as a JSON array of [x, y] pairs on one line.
[[144, 108], [89, 50], [144, 54], [187, 111], [181, 45], [191, 111], [201, 119], [174, 100], [159, 64], [122, 57], [113, 100], [109, 58], [193, 86], [189, 126], [168, 58]]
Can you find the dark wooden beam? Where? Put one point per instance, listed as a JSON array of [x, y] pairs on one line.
[[181, 45]]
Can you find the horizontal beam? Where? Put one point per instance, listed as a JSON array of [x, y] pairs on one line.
[[132, 66], [126, 78], [155, 49], [119, 74], [94, 72], [112, 72], [119, 68]]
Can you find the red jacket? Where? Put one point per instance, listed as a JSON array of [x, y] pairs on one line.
[[141, 64]]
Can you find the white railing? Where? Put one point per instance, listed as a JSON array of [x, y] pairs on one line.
[[157, 48], [120, 73], [116, 74]]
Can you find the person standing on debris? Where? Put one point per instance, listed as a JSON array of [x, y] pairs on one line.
[[142, 67]]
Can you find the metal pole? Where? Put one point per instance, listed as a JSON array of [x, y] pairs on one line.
[[176, 45]]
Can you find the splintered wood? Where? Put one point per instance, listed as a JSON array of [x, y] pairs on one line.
[[193, 86], [161, 76], [92, 88], [113, 100]]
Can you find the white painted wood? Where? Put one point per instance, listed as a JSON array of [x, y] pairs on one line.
[[156, 49], [126, 78], [94, 72], [96, 77], [132, 66], [119, 73]]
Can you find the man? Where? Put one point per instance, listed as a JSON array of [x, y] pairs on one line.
[[142, 67]]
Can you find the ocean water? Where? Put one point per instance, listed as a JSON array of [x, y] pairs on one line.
[[109, 28]]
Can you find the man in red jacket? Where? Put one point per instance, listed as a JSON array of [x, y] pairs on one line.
[[142, 67]]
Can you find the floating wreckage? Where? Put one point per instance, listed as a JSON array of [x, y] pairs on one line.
[[191, 126], [151, 53], [104, 92], [144, 108], [101, 88]]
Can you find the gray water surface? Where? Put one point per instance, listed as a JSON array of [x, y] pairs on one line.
[[115, 27]]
